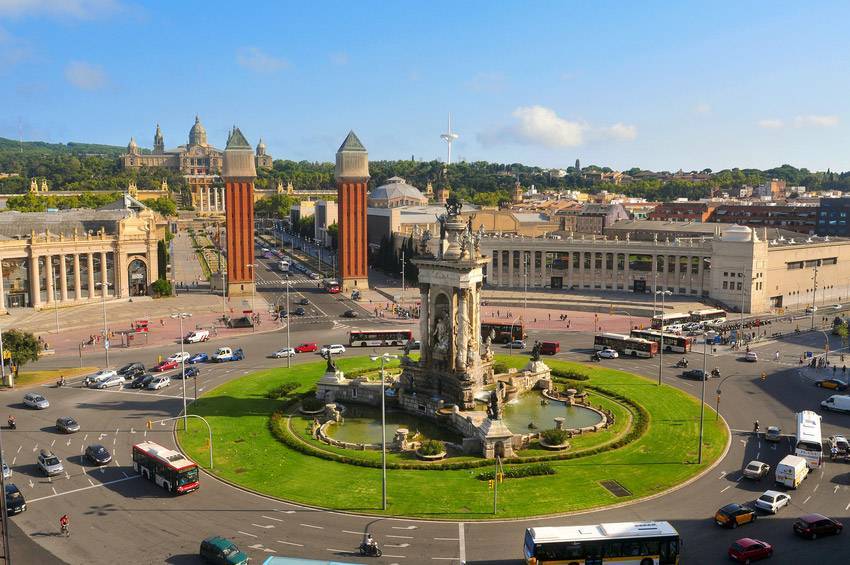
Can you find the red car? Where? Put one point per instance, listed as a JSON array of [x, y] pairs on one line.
[[749, 549], [165, 366], [813, 526], [307, 348]]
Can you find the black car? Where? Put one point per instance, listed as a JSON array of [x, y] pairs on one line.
[[98, 454], [190, 372], [302, 301], [131, 370], [67, 425], [141, 381], [15, 503], [697, 374], [299, 311], [283, 314], [349, 314], [813, 526]]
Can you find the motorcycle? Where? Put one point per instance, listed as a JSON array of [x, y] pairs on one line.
[[715, 372], [60, 383], [595, 357], [682, 364], [368, 550], [12, 425]]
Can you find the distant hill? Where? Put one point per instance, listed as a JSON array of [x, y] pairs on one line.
[[72, 148]]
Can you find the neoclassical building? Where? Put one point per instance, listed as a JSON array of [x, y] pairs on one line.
[[198, 161], [78, 256]]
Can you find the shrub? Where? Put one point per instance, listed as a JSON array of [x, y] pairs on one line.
[[161, 287], [431, 447], [569, 375], [554, 437], [500, 367], [283, 390], [312, 403], [519, 472]]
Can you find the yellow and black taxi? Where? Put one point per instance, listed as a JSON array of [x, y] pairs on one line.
[[832, 384], [733, 515]]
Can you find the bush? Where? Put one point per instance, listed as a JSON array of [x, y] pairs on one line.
[[519, 472], [500, 367], [161, 287], [312, 403], [283, 390], [554, 437], [569, 375], [431, 447]]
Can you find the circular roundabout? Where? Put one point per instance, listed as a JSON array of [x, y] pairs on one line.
[[267, 438]]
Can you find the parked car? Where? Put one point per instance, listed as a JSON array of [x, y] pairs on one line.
[[300, 311], [674, 328], [35, 400], [832, 384], [179, 357], [349, 314], [166, 365], [811, 309], [772, 500], [756, 470], [697, 374], [773, 433], [608, 354], [189, 372], [414, 345], [131, 370], [222, 551], [515, 344], [159, 382], [733, 515], [198, 358], [67, 425], [141, 381], [302, 301], [49, 463], [7, 472], [197, 336], [115, 380], [283, 353], [307, 347], [98, 454], [813, 526], [15, 502], [751, 357], [227, 354], [749, 549], [335, 349], [91, 380]]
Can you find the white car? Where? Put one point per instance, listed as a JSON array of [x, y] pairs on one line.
[[692, 326], [92, 380], [674, 329], [335, 349], [285, 352], [608, 354], [36, 401], [751, 356], [159, 382], [115, 380], [179, 357], [772, 500]]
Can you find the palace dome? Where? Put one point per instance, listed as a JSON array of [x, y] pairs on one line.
[[198, 134]]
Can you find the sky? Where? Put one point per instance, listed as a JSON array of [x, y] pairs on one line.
[[656, 85]]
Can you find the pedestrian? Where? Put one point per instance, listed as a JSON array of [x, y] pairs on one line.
[[550, 316], [834, 367]]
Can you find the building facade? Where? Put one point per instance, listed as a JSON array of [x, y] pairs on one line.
[[594, 218], [352, 179], [396, 193], [239, 173], [682, 212], [834, 217]]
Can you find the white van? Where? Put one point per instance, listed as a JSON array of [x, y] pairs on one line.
[[197, 336], [791, 471], [837, 403]]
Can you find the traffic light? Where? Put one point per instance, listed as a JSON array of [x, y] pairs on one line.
[[501, 477], [149, 424], [763, 376], [490, 484]]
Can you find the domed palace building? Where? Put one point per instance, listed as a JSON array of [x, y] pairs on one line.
[[198, 161]]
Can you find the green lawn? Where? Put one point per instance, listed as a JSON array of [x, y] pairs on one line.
[[247, 453], [31, 378]]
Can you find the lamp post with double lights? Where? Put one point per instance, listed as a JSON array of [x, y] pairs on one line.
[[663, 294], [181, 316], [253, 267], [383, 358], [288, 344], [104, 288]]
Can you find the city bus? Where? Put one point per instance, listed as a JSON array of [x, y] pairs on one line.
[[378, 338], [809, 443], [502, 332], [672, 342], [669, 319], [712, 315], [331, 286], [623, 543], [169, 469], [625, 345], [283, 266]]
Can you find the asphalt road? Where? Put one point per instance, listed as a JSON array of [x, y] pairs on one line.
[[118, 516]]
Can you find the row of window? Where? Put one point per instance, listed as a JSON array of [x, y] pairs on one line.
[[811, 263], [587, 259]]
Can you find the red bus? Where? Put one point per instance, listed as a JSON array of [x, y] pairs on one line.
[[672, 342], [169, 469], [625, 345], [331, 286], [502, 332], [378, 338]]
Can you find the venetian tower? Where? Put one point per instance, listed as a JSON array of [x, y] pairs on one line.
[[238, 173], [352, 179]]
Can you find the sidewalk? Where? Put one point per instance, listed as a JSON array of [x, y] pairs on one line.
[[187, 268]]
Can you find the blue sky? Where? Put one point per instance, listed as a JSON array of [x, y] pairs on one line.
[[661, 85]]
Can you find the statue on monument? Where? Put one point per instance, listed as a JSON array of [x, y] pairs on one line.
[[494, 408], [535, 351], [441, 335], [453, 206], [331, 367], [424, 241]]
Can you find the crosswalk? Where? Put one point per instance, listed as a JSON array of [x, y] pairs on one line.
[[292, 280]]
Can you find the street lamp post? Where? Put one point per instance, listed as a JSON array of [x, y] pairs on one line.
[[253, 266], [702, 395], [209, 429], [383, 358], [525, 284], [511, 351], [103, 292], [181, 316], [814, 295], [288, 344], [663, 294], [55, 301]]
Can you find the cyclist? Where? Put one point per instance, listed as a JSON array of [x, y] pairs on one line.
[[63, 524]]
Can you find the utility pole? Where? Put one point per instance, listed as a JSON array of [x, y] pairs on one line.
[[288, 344], [663, 293], [4, 516], [814, 295], [702, 395], [402, 276]]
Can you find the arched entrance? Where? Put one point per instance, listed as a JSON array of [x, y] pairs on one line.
[[137, 276]]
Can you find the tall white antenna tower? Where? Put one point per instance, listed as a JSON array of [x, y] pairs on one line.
[[449, 137]]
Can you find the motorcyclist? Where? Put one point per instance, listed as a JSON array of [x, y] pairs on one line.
[[756, 426], [11, 421]]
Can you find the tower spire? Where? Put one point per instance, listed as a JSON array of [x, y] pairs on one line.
[[449, 137]]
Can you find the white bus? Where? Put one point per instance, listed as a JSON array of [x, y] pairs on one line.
[[672, 342], [625, 345], [712, 315], [809, 443], [283, 266], [669, 319], [624, 543]]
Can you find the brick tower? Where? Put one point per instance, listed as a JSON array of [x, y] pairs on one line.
[[352, 178], [238, 172]]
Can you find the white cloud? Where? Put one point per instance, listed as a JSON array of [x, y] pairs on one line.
[[816, 121], [486, 82], [257, 60], [339, 58], [79, 9], [12, 50], [771, 123], [538, 125], [85, 76], [702, 108]]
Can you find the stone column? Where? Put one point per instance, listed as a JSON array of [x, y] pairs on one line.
[[63, 278], [700, 275], [35, 283], [91, 275], [511, 281], [209, 198], [78, 291], [104, 289], [222, 200], [570, 275], [626, 270], [2, 289], [462, 330], [48, 275], [424, 328]]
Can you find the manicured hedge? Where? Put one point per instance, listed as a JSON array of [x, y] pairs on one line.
[[569, 375], [519, 472], [283, 390]]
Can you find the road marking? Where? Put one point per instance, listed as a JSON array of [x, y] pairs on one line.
[[847, 507], [816, 487], [447, 539], [345, 551], [445, 559], [285, 511], [395, 556], [355, 533], [31, 485], [34, 449], [245, 533], [15, 458], [835, 489], [52, 443], [53, 489], [398, 537], [266, 527], [91, 483], [397, 545], [725, 489], [290, 543], [270, 518], [146, 433], [68, 443], [85, 438], [404, 527], [723, 474], [312, 526], [19, 449], [462, 541], [807, 499], [758, 453], [85, 488]]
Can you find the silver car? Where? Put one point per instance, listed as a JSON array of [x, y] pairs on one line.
[[114, 380], [7, 472], [36, 401], [49, 463]]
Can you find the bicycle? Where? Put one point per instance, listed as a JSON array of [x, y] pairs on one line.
[[65, 530]]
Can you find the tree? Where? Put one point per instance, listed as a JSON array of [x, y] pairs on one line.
[[23, 347], [161, 287], [333, 233], [162, 205], [161, 257]]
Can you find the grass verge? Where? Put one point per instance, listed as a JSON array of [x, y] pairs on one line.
[[31, 378]]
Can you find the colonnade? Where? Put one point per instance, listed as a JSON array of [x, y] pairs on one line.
[[210, 199]]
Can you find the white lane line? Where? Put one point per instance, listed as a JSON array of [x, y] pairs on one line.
[[312, 526], [245, 533], [290, 543], [846, 508], [343, 551], [398, 537], [397, 545], [807, 499], [285, 511], [266, 527], [270, 518], [723, 474], [19, 449], [462, 541], [91, 482], [355, 533], [395, 556], [85, 438], [725, 489], [85, 488], [54, 490], [816, 488], [835, 489], [758, 453], [445, 558], [404, 527], [52, 443], [447, 539], [15, 458]]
